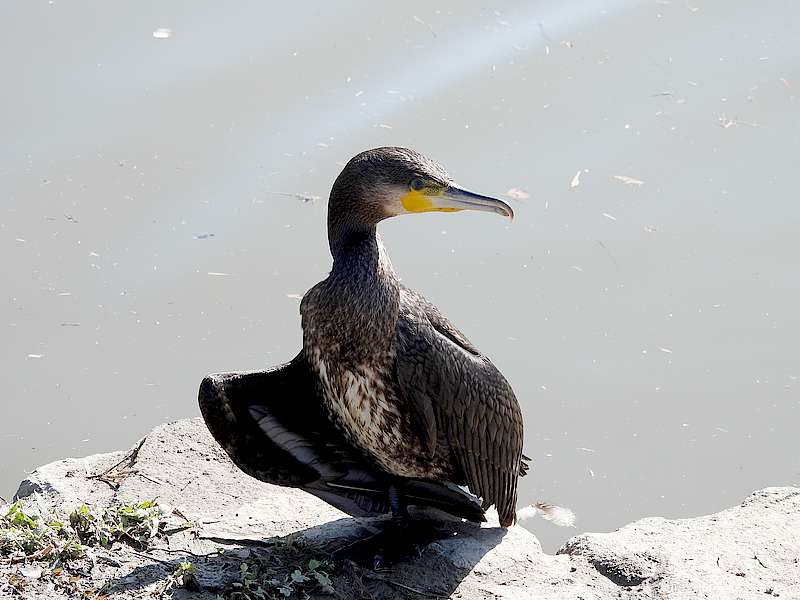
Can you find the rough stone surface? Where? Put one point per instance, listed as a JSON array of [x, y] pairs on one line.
[[748, 551]]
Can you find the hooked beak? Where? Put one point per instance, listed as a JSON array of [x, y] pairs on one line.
[[457, 197], [454, 198]]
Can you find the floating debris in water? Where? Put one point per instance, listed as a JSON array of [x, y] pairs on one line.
[[518, 194], [576, 181], [162, 33], [70, 324], [35, 355], [610, 255], [203, 236], [306, 198], [217, 274], [608, 216], [295, 296], [628, 180], [421, 22], [727, 123], [557, 515], [665, 350]]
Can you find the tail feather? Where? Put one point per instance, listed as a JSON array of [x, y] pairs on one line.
[[443, 496]]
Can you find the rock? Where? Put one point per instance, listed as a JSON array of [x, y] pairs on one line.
[[749, 551], [743, 552]]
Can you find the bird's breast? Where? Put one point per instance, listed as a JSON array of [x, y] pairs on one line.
[[362, 402]]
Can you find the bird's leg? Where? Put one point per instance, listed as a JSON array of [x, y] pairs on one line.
[[404, 536], [399, 510], [400, 537], [388, 532]]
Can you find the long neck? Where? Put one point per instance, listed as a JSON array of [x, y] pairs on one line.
[[354, 246], [362, 293], [361, 267]]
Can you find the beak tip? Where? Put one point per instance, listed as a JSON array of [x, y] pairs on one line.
[[466, 200]]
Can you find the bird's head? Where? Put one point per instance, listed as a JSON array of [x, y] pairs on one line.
[[386, 182]]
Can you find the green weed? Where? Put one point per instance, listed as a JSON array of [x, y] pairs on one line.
[[31, 533], [268, 579], [135, 523]]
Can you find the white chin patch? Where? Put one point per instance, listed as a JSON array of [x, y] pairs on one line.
[[393, 204]]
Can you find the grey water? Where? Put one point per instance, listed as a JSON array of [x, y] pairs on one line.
[[164, 170]]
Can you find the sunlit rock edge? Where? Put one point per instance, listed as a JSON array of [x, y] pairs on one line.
[[747, 551]]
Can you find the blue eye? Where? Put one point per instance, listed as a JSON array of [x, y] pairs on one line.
[[417, 184]]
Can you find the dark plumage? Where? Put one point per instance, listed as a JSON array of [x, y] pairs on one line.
[[388, 405]]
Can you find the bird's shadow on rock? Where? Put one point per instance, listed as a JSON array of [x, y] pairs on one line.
[[433, 567]]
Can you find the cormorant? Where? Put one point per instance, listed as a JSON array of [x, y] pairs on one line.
[[388, 406]]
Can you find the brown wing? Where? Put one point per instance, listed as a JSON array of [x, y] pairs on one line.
[[439, 372], [441, 323]]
